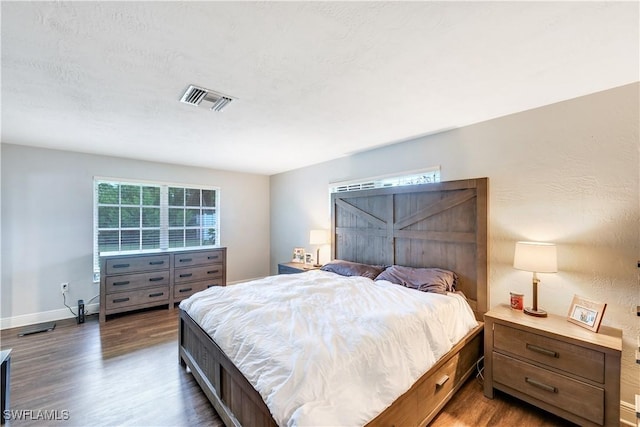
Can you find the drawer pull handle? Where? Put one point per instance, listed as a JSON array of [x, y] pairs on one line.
[[541, 385], [156, 262], [126, 282], [212, 271], [186, 275], [213, 257], [185, 259], [117, 300], [208, 286], [542, 350], [186, 290], [120, 265], [156, 279], [441, 382], [157, 294]]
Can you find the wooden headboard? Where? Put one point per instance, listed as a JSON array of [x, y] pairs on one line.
[[429, 225]]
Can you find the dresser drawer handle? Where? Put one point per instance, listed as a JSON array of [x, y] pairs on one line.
[[213, 271], [186, 275], [541, 385], [542, 350], [121, 265], [156, 279], [156, 262], [157, 294], [117, 300], [186, 260], [126, 282], [213, 257], [442, 381], [209, 286], [185, 290]]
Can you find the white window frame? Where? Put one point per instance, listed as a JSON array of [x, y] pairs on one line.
[[164, 216]]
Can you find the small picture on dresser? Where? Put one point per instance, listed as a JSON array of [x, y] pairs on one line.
[[308, 258], [298, 255], [586, 313]]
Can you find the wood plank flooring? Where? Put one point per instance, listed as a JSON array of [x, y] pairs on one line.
[[126, 373]]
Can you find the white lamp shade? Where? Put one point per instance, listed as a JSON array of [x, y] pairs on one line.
[[318, 237], [536, 257]]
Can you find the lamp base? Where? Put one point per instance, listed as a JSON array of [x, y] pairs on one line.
[[537, 313]]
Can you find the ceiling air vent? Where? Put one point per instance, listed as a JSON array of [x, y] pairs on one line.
[[195, 95]]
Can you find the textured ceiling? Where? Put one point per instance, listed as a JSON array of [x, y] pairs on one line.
[[314, 80]]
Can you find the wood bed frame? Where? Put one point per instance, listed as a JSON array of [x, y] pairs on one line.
[[431, 225]]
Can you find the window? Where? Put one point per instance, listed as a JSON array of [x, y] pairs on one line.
[[424, 176], [136, 216]]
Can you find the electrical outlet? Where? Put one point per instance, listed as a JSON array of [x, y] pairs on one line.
[[64, 287]]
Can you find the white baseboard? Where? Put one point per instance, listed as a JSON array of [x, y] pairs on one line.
[[44, 316], [628, 414]]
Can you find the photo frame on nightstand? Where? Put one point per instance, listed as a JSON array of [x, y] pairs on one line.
[[298, 255], [586, 313]]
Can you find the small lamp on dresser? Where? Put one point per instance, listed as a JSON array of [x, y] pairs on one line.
[[537, 258], [318, 237]]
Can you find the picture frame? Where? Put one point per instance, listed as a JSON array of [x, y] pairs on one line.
[[586, 313], [308, 258], [298, 255]]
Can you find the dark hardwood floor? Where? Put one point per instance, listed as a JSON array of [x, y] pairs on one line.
[[126, 373]]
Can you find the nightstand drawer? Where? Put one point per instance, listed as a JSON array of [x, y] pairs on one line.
[[564, 356], [579, 398]]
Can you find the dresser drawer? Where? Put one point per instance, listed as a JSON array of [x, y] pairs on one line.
[[185, 290], [208, 272], [137, 264], [564, 356], [127, 282], [198, 258], [574, 396], [141, 296]]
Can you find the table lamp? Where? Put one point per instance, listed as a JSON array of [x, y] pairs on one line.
[[318, 237], [537, 258]]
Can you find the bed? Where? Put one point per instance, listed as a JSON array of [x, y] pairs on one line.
[[433, 225]]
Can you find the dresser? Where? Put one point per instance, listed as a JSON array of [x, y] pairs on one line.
[[140, 280], [553, 364]]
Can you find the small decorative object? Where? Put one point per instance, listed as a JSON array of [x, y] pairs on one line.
[[586, 313], [298, 255], [517, 301], [537, 258], [308, 258]]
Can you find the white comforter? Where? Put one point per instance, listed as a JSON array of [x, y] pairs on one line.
[[328, 350]]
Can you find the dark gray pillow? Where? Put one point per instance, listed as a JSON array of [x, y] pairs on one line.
[[348, 268], [423, 279]]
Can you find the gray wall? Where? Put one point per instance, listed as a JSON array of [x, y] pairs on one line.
[[566, 173], [47, 225]]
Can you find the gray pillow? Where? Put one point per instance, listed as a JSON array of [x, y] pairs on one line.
[[423, 279], [348, 268]]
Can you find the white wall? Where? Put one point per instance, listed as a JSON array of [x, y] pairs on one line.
[[47, 224], [566, 173]]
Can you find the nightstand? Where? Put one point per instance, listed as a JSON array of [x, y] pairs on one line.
[[555, 365], [294, 267]]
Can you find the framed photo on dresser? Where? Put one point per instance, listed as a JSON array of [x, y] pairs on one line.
[[586, 313]]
